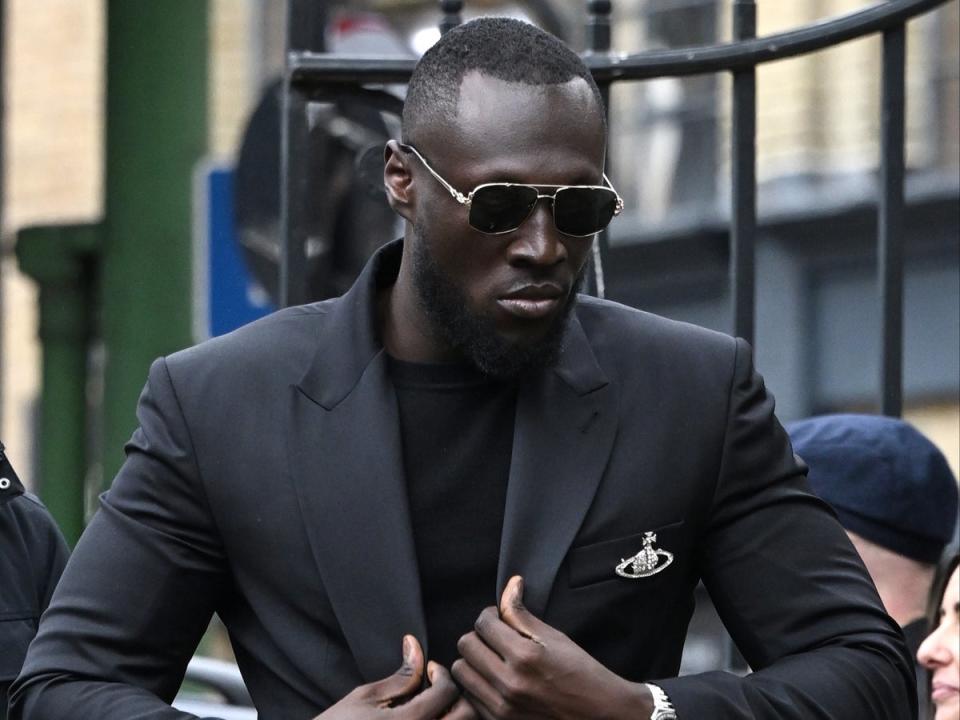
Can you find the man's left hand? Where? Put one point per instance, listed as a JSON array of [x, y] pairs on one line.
[[514, 665]]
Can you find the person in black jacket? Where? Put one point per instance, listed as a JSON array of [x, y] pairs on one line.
[[33, 554]]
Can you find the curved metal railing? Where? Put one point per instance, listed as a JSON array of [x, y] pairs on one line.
[[307, 68], [311, 75]]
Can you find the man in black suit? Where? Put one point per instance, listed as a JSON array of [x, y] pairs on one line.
[[523, 486]]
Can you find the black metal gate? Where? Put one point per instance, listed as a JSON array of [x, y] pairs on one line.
[[313, 76]]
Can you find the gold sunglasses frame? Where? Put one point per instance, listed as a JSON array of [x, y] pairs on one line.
[[468, 198]]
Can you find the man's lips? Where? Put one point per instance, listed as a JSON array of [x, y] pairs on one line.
[[944, 690], [533, 301]]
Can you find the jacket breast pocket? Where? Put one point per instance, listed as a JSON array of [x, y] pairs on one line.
[[15, 635], [646, 556]]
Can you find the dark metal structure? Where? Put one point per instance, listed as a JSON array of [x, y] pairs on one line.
[[312, 76]]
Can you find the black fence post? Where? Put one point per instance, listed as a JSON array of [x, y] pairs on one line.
[[306, 27], [451, 10], [309, 70], [598, 25], [293, 174], [890, 220], [743, 218], [598, 42]]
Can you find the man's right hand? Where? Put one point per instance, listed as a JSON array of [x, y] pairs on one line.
[[399, 696]]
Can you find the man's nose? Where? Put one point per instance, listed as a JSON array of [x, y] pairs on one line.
[[537, 241]]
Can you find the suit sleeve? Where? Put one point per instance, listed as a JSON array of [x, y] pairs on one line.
[[790, 589], [139, 590]]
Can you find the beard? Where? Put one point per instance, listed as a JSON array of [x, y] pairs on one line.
[[474, 334]]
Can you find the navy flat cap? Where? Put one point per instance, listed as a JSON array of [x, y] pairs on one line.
[[886, 481]]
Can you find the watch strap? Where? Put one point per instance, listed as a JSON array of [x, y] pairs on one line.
[[662, 707]]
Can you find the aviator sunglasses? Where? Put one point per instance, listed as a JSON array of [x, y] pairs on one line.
[[497, 208]]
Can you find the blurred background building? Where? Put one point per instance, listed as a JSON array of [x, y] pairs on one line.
[[100, 190]]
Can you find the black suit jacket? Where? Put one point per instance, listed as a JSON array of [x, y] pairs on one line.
[[265, 483]]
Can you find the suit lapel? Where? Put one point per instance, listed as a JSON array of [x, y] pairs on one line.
[[347, 465], [565, 426]]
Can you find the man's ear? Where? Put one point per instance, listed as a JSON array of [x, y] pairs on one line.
[[397, 180]]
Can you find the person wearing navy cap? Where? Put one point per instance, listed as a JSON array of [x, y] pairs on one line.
[[894, 494]]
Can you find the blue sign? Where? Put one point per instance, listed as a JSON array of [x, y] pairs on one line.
[[226, 296]]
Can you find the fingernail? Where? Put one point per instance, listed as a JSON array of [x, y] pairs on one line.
[[431, 668], [407, 649], [516, 594]]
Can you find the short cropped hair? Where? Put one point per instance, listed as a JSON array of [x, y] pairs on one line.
[[503, 48]]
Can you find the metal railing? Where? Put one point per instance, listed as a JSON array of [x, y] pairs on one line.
[[312, 75]]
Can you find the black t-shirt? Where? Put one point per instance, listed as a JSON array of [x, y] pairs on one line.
[[457, 432]]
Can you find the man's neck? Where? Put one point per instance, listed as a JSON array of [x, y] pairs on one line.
[[904, 607], [404, 328], [902, 583]]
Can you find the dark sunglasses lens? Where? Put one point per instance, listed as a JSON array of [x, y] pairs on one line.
[[501, 208], [583, 211]]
